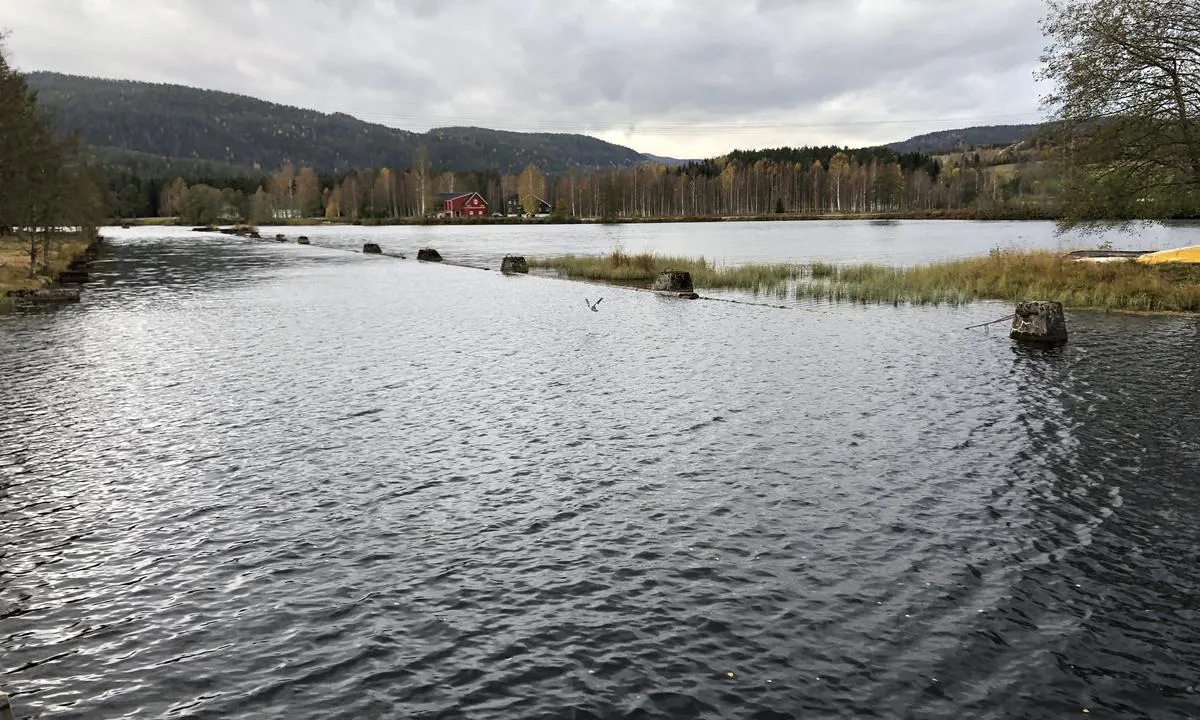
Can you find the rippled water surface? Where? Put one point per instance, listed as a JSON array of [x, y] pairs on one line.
[[891, 242], [257, 480]]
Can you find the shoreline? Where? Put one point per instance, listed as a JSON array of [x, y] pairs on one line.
[[961, 215], [69, 253], [1171, 290]]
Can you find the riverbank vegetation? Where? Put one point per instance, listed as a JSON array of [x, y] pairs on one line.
[[61, 250], [44, 189], [1014, 276], [1002, 275]]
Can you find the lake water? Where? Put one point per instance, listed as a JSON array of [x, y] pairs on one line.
[[890, 242], [259, 480]]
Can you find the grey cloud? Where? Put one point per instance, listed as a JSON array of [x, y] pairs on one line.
[[545, 65]]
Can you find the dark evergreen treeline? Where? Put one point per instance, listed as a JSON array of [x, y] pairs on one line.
[[966, 139], [181, 122], [806, 156], [130, 193]]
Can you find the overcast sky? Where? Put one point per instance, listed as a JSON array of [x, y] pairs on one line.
[[687, 78]]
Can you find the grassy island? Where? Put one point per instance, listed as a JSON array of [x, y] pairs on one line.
[[1001, 275]]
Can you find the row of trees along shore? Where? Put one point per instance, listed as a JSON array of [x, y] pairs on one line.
[[814, 181], [44, 189]]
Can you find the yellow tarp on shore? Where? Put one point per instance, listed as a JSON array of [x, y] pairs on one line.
[[1178, 255]]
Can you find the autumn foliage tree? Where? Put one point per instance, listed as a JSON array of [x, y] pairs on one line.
[[308, 192], [202, 205], [531, 187], [171, 202]]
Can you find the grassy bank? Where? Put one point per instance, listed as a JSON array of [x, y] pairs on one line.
[[1011, 276], [14, 261], [1016, 276]]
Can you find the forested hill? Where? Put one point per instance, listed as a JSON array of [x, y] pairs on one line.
[[179, 122], [972, 137]]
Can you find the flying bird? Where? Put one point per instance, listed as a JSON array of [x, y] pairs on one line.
[[593, 306]]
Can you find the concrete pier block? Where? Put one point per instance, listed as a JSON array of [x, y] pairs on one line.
[[676, 282], [372, 249], [1039, 322], [429, 255], [514, 264]]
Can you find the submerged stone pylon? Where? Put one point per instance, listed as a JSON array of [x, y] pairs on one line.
[[514, 264], [673, 281], [1040, 322]]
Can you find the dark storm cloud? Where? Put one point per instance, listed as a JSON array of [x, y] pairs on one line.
[[688, 76]]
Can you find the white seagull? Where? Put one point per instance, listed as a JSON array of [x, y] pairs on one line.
[[593, 306]]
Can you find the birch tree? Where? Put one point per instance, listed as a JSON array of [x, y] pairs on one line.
[[421, 169], [308, 192], [838, 167], [531, 186], [283, 189]]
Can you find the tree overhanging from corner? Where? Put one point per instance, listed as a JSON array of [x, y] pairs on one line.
[[43, 187], [1126, 98]]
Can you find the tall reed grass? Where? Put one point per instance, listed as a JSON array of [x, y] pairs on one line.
[[1017, 276], [1002, 275], [624, 268]]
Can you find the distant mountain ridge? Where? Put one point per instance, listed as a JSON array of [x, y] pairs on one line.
[[118, 117], [151, 128], [963, 138]]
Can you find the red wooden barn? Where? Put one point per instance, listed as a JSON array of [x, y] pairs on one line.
[[469, 204]]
